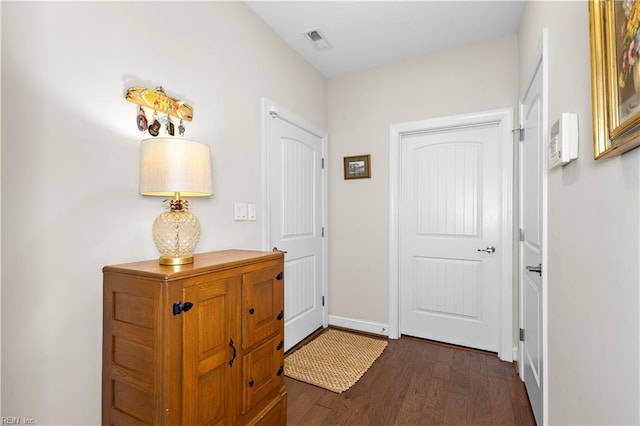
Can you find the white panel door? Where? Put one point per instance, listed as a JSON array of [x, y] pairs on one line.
[[295, 223], [531, 169], [449, 232]]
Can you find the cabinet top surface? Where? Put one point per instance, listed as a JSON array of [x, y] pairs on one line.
[[202, 263]]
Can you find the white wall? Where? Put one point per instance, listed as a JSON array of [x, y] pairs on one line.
[[594, 242], [361, 108], [70, 151]]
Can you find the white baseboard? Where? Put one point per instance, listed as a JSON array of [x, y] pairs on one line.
[[515, 353], [359, 325]]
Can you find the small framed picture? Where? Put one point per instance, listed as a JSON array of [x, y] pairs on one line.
[[357, 167]]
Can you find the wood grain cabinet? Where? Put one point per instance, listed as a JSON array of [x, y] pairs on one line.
[[199, 344]]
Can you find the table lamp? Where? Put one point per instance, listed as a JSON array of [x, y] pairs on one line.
[[177, 168]]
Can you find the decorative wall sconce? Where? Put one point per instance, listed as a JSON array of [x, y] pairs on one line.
[[171, 167], [158, 101]]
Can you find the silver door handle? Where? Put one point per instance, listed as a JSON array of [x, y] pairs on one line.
[[490, 249], [281, 251], [537, 269]]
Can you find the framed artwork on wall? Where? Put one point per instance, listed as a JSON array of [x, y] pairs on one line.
[[615, 75], [357, 167]]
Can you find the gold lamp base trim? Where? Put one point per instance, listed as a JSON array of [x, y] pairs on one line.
[[167, 260]]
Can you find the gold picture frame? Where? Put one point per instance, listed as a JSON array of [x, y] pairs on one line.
[[357, 167], [615, 73]]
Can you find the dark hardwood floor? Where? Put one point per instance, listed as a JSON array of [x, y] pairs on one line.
[[418, 382]]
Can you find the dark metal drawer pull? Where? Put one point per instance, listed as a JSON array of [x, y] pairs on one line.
[[233, 358], [280, 315], [280, 370]]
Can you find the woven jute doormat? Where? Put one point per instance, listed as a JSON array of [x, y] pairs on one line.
[[335, 360]]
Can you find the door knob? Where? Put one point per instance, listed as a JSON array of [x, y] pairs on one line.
[[490, 249], [277, 249], [537, 269]]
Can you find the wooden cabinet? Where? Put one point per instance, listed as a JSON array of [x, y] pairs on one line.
[[199, 344]]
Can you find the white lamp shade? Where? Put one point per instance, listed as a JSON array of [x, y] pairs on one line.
[[174, 165]]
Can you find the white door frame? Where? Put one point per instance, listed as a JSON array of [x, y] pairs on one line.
[[540, 59], [269, 110], [504, 119]]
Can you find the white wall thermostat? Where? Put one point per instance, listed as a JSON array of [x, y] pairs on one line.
[[563, 140]]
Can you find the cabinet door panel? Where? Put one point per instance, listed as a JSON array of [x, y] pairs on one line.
[[276, 416], [211, 401], [207, 348], [263, 370], [263, 302]]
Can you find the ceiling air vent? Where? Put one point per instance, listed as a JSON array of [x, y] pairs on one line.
[[317, 39]]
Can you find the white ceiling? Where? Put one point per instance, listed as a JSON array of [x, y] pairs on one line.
[[367, 34]]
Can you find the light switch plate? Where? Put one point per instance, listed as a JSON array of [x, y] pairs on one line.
[[252, 211], [240, 211]]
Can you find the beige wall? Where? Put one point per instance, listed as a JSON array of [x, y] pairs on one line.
[[361, 107], [594, 241], [70, 150]]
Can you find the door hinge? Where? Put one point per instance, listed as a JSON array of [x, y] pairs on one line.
[[521, 234], [522, 334], [520, 133], [323, 163], [323, 232], [322, 300], [180, 307]]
